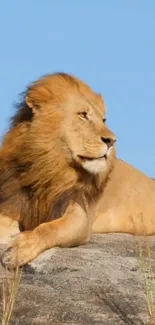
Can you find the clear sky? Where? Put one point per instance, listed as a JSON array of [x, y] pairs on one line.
[[110, 44]]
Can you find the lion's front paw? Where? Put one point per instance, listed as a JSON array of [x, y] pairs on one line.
[[23, 249]]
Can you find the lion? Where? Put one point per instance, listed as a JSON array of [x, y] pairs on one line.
[[127, 204], [55, 161]]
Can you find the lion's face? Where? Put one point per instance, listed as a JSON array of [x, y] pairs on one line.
[[89, 140], [75, 116]]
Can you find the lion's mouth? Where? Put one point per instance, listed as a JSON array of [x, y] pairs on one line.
[[92, 158]]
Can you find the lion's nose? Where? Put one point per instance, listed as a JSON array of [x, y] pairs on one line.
[[108, 141]]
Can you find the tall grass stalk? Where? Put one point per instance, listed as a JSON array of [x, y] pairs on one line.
[[145, 261], [10, 285]]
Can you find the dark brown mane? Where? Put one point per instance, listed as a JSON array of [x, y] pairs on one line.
[[23, 114]]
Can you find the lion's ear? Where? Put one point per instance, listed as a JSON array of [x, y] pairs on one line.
[[37, 96]]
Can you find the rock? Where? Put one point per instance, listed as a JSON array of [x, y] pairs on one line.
[[99, 283]]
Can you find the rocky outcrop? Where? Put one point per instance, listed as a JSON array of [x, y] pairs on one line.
[[99, 283]]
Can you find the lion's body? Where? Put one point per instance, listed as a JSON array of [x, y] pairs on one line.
[[54, 163], [59, 176], [128, 203]]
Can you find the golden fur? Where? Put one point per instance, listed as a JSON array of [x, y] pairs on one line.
[[127, 204], [55, 161]]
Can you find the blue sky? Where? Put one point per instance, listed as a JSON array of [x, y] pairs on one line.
[[109, 44]]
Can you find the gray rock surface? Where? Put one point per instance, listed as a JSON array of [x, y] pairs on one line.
[[99, 283]]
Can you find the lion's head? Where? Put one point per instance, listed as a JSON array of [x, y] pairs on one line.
[[68, 117], [58, 149]]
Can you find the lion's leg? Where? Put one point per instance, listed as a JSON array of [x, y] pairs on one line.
[[70, 230], [102, 224], [122, 222], [8, 228], [114, 222]]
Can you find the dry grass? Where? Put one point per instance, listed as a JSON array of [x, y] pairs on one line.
[[144, 253], [144, 256], [9, 289]]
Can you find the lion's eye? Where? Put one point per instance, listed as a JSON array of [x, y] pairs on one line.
[[104, 120], [83, 115]]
